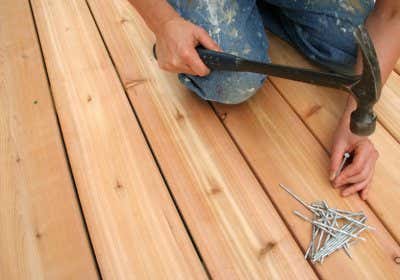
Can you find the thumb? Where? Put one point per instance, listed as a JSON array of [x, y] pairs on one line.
[[206, 41], [336, 159]]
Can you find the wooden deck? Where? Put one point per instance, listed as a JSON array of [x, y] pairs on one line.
[[110, 169]]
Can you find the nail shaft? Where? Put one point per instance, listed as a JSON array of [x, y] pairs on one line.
[[345, 157]]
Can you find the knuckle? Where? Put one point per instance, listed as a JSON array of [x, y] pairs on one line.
[[358, 168], [163, 66], [364, 173], [174, 63], [361, 186], [201, 30], [185, 54], [371, 146], [204, 72]]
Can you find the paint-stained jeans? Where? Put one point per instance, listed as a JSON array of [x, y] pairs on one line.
[[320, 29]]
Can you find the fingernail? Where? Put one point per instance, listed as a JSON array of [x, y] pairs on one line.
[[332, 176]]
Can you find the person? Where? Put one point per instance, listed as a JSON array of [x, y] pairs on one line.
[[321, 29]]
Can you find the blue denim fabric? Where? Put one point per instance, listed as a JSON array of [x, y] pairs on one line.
[[321, 29]]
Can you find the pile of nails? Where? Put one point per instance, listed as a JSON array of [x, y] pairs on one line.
[[332, 229]]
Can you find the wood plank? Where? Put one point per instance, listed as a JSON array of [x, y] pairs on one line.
[[320, 109], [388, 106], [237, 230], [281, 150], [41, 227], [134, 226]]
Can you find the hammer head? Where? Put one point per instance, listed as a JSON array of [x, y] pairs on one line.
[[367, 90]]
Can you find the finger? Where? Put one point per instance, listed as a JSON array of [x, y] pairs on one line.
[[196, 64], [361, 155], [178, 64], [336, 159], [354, 188], [369, 168], [364, 193], [177, 68], [186, 69], [365, 168], [206, 41], [363, 175], [357, 187]]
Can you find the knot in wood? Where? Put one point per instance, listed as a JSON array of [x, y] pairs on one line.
[[267, 248]]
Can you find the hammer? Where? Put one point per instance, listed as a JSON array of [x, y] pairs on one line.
[[365, 88]]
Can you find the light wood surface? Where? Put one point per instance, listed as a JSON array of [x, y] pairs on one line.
[[389, 105], [235, 226], [42, 235], [171, 187], [280, 150], [321, 108], [135, 229]]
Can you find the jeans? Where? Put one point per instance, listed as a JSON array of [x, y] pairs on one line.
[[321, 29]]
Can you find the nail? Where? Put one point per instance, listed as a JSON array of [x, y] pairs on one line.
[[346, 249], [325, 227], [294, 196], [351, 219], [345, 157]]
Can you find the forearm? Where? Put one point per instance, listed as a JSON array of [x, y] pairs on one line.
[[154, 12], [383, 25]]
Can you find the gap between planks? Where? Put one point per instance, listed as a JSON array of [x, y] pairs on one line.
[[63, 142], [262, 184], [166, 215], [150, 147], [46, 245]]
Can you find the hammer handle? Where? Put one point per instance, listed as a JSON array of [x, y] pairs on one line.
[[227, 62]]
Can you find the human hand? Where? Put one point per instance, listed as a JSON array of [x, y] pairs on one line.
[[176, 41], [357, 176]]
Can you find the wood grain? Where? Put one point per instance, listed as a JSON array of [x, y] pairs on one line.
[[135, 229], [388, 106], [281, 150], [42, 235], [321, 108], [237, 230]]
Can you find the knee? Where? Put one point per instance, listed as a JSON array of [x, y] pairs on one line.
[[335, 48], [348, 16], [226, 87], [237, 87], [358, 11]]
